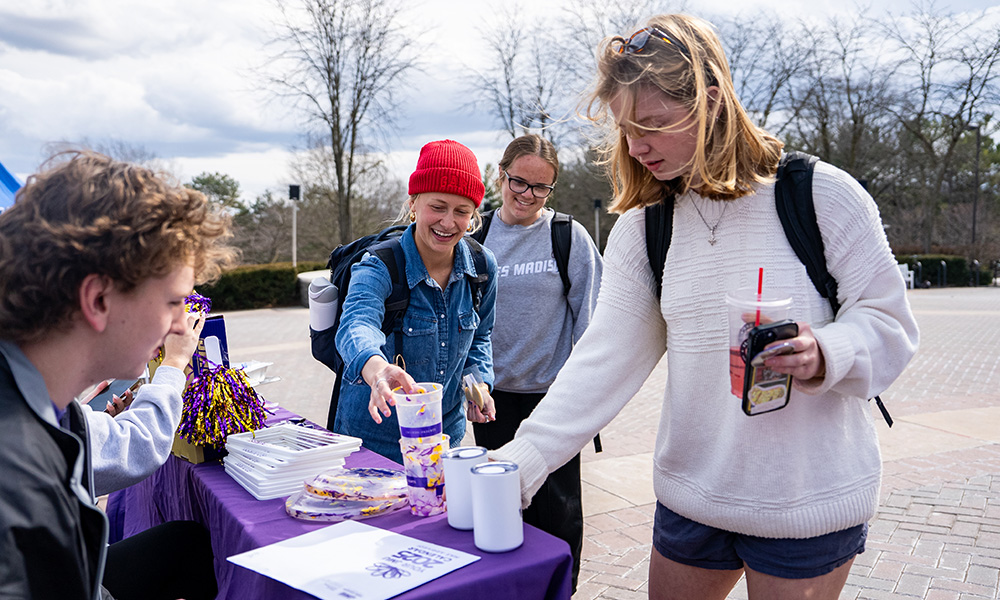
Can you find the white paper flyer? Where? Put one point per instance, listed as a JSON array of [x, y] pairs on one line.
[[353, 560]]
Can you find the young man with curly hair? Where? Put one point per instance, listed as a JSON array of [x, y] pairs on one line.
[[96, 259]]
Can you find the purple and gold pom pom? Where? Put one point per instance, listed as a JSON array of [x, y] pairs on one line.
[[218, 403], [196, 303]]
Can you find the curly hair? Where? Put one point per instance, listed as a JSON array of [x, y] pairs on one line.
[[731, 153], [84, 214]]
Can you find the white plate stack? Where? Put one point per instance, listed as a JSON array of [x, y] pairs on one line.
[[274, 462]]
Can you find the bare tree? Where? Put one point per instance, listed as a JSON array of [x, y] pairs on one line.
[[377, 197], [586, 22], [765, 56], [497, 85], [525, 87], [263, 233], [117, 149], [532, 84], [954, 67], [840, 97], [339, 63]]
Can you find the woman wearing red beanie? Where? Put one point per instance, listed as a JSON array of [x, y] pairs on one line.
[[443, 333]]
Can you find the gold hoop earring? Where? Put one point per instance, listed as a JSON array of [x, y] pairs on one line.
[[413, 217]]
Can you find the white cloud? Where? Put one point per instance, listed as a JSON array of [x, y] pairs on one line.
[[256, 171], [176, 77]]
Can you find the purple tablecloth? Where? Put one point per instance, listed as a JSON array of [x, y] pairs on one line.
[[238, 522]]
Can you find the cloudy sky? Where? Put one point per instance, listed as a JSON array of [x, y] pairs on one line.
[[176, 77]]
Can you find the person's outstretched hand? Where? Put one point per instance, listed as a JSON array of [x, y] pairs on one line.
[[384, 378]]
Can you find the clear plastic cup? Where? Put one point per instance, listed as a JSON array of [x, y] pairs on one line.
[[419, 413], [424, 470], [744, 307]]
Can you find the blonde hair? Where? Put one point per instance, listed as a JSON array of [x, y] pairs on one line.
[[731, 153]]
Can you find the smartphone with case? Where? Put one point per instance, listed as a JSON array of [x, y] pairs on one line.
[[765, 390]]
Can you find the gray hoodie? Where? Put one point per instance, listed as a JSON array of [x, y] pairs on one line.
[[536, 325]]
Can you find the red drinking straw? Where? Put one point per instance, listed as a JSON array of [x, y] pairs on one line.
[[760, 289]]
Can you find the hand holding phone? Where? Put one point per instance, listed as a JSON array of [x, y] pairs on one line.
[[776, 350], [765, 390]]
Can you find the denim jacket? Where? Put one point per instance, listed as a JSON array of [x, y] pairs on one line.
[[442, 336]]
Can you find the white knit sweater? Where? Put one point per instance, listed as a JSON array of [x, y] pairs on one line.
[[811, 468]]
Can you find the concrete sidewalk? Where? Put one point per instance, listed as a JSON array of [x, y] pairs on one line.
[[937, 533]]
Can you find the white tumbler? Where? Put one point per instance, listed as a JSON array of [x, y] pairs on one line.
[[496, 507], [323, 297], [458, 463]]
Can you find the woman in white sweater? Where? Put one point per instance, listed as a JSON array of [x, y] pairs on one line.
[[783, 497]]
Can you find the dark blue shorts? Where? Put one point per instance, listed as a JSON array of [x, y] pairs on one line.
[[687, 542]]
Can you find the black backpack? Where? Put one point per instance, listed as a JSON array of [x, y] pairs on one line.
[[562, 240], [386, 245], [794, 203]]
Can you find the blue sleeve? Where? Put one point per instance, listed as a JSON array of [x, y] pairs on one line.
[[481, 352], [359, 336]]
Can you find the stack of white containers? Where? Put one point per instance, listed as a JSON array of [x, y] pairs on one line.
[[273, 462]]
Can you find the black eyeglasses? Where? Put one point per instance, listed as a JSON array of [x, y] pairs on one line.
[[636, 43], [519, 186]]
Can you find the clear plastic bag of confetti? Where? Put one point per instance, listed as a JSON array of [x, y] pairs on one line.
[[306, 506], [362, 483]]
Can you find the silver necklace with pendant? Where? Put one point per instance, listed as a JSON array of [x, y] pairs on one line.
[[711, 228]]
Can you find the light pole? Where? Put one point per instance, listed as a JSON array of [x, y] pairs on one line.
[[597, 223], [975, 196], [293, 195]]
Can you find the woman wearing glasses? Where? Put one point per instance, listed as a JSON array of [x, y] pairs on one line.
[[782, 497], [537, 320]]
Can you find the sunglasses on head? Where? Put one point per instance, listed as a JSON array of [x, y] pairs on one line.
[[636, 43]]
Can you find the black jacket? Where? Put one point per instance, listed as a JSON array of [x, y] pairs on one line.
[[53, 539]]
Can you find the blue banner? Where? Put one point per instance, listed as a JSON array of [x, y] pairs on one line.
[[8, 187]]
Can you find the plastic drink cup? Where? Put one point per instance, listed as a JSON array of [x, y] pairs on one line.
[[424, 471], [744, 307], [419, 413], [458, 463]]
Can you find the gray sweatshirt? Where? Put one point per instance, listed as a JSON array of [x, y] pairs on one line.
[[536, 325], [128, 448]]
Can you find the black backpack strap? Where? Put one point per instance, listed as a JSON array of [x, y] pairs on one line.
[[390, 252], [659, 229], [562, 243], [480, 234], [794, 202], [478, 282]]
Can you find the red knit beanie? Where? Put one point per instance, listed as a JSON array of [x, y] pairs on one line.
[[448, 167]]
